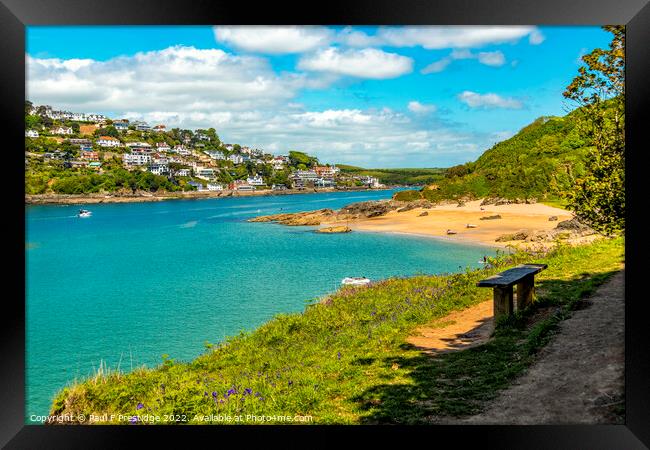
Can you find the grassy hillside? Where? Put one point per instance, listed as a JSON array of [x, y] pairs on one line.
[[419, 177], [539, 162], [345, 360]]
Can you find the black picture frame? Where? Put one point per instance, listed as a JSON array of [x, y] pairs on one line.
[[16, 14]]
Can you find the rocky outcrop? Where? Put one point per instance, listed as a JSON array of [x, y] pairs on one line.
[[370, 208], [297, 219], [567, 229], [424, 213], [339, 229]]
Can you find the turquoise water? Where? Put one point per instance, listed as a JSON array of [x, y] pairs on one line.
[[139, 280]]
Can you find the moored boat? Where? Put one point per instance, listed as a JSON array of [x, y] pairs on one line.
[[355, 281]]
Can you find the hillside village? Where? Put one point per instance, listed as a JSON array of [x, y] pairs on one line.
[[74, 153]]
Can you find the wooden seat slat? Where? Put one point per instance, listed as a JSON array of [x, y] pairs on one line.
[[512, 276]]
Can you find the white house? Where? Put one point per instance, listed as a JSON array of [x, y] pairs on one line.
[[121, 125], [142, 126], [278, 163], [136, 159], [215, 154], [108, 141], [255, 180], [31, 133], [236, 159], [63, 130], [229, 147], [160, 128], [371, 181], [159, 169], [163, 147], [204, 173], [215, 187], [183, 173]]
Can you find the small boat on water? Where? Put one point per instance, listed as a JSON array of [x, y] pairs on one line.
[[355, 281], [84, 213], [470, 225]]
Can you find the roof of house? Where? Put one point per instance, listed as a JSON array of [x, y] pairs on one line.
[[108, 138]]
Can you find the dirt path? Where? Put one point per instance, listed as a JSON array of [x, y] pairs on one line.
[[578, 377], [456, 331]]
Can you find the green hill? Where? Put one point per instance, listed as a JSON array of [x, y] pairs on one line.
[[418, 177], [539, 162]]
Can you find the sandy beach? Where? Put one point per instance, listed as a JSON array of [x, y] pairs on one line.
[[514, 218]]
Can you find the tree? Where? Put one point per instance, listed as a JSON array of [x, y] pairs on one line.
[[599, 89]]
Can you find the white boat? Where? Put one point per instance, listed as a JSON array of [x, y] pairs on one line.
[[355, 281], [84, 213]]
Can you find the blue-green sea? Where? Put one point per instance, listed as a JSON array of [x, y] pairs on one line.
[[139, 280]]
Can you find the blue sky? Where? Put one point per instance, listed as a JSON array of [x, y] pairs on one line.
[[370, 96]]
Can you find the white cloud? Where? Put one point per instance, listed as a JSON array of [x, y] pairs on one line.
[[420, 108], [438, 37], [536, 37], [475, 100], [366, 63], [436, 66], [274, 39], [175, 79], [494, 59]]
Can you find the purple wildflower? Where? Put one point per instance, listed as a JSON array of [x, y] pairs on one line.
[[338, 355], [214, 394], [257, 394], [248, 391], [140, 406], [134, 419], [221, 401], [231, 391], [290, 383]]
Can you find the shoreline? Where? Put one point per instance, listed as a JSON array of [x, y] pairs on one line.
[[78, 199], [494, 245], [465, 221]]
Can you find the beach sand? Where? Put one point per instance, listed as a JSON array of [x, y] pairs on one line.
[[514, 218]]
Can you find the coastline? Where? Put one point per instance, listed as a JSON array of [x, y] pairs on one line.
[[464, 221], [77, 199]]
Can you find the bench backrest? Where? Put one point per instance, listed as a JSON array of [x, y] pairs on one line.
[[512, 276]]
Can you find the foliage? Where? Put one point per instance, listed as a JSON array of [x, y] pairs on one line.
[[297, 158], [403, 177], [599, 88], [344, 360], [408, 196]]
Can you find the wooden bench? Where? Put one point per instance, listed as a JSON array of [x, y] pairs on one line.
[[523, 276]]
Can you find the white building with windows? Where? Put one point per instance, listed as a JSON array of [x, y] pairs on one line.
[[136, 159], [183, 172], [62, 130], [215, 187], [31, 133], [159, 169], [236, 159], [108, 141], [215, 154], [204, 173], [255, 180]]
